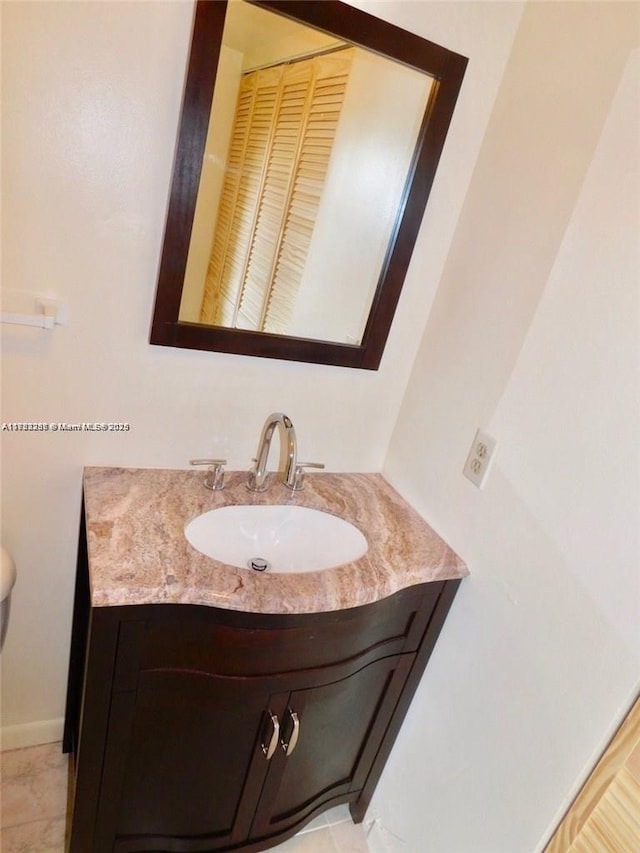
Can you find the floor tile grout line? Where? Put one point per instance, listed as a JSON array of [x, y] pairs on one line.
[[33, 820]]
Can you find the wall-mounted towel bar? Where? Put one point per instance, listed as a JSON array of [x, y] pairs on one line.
[[46, 314]]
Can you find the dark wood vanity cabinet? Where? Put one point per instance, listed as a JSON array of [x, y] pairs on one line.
[[200, 729]]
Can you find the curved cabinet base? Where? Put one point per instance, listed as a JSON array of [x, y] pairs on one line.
[[197, 729]]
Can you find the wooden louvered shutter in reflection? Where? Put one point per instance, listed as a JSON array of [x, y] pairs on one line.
[[250, 142], [266, 216], [330, 76], [281, 163]]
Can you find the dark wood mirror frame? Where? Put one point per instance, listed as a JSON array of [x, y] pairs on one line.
[[362, 29]]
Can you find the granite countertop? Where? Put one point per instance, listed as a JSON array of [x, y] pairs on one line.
[[138, 553]]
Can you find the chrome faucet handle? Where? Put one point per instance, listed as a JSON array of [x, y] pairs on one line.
[[298, 480], [251, 483], [216, 468]]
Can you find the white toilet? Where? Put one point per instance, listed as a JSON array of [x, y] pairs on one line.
[[7, 580]]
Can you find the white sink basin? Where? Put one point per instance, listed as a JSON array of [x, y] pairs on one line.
[[287, 538]]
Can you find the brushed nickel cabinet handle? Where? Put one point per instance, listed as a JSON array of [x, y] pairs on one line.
[[275, 736], [295, 733]]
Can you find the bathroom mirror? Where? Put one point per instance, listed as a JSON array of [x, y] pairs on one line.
[[309, 139]]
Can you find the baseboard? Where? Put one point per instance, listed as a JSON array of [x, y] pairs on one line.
[[31, 734]]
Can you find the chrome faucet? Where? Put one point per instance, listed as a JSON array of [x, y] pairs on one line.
[[287, 470]]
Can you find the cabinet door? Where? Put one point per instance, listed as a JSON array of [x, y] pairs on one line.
[[330, 734], [184, 763]]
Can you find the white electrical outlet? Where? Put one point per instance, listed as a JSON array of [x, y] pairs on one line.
[[480, 458]]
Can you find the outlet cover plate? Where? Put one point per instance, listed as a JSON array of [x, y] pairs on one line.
[[480, 458]]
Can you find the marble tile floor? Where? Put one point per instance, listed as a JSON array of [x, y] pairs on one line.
[[33, 802]]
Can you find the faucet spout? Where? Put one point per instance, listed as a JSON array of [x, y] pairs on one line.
[[288, 453]]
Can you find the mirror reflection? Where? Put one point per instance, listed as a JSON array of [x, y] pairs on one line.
[[306, 161]]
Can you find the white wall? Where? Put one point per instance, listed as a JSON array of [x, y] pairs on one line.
[[91, 95], [372, 151], [534, 336]]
